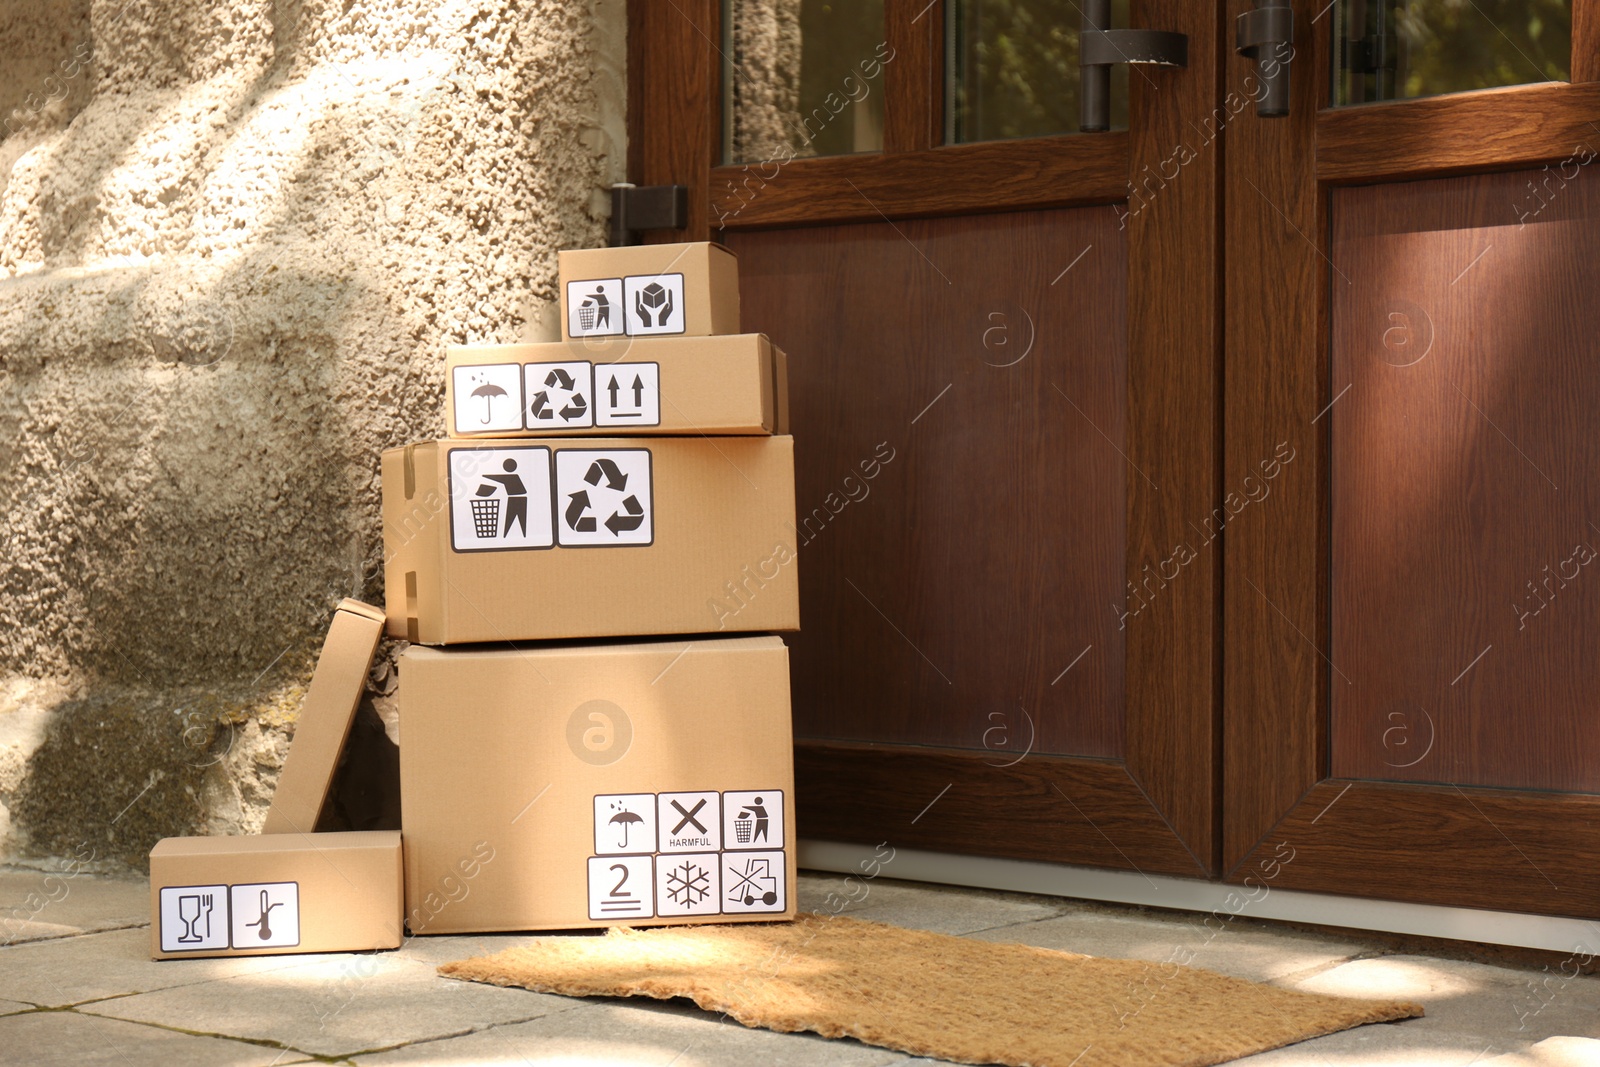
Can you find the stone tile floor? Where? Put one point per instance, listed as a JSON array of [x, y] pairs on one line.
[[77, 987]]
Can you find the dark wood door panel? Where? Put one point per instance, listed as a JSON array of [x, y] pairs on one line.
[[1466, 479], [985, 804], [1477, 848], [975, 366]]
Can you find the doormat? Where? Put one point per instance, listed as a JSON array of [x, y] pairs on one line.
[[934, 995]]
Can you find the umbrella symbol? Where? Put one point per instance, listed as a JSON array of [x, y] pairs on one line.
[[488, 392], [625, 818]]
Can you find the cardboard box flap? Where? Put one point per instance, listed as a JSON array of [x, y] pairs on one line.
[[325, 717]]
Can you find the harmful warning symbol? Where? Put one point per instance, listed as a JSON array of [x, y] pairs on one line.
[[604, 497]]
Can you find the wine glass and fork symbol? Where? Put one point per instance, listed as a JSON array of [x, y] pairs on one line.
[[190, 909]]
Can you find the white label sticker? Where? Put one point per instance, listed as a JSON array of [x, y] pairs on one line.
[[488, 398], [603, 497], [689, 884], [690, 822], [752, 819], [594, 308], [753, 881], [194, 918], [654, 303], [500, 498], [559, 395], [266, 915], [624, 823], [620, 887], [627, 394]]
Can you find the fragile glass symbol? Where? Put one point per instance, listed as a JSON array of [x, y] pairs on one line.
[[754, 883], [190, 909]]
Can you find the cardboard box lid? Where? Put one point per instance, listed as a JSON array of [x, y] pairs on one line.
[[325, 718], [261, 844]]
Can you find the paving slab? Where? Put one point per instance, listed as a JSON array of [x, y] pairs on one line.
[[1239, 949], [42, 904], [1505, 1006], [67, 1039], [112, 964], [1381, 1045], [942, 909], [337, 1005], [634, 1033], [452, 947], [1552, 1052]]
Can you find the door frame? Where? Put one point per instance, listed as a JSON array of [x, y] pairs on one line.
[[1420, 843], [1158, 809]]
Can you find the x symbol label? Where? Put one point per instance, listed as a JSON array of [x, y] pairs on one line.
[[689, 816]]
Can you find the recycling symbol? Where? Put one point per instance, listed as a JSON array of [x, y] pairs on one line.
[[628, 513], [561, 398]]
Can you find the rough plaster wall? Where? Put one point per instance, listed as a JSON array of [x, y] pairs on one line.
[[235, 237], [766, 88]]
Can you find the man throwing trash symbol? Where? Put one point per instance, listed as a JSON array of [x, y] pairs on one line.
[[516, 496]]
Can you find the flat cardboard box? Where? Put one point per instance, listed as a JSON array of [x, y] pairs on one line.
[[570, 538], [571, 786], [275, 893], [649, 290], [646, 385], [325, 717]]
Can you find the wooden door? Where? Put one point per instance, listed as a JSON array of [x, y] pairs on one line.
[[1004, 375], [1412, 618]]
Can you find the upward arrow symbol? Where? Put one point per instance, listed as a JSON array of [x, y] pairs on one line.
[[613, 391], [638, 391]]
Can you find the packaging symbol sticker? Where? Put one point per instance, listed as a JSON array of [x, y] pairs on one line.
[[266, 915], [627, 394], [488, 398], [500, 499], [594, 308], [624, 823], [653, 303], [603, 497], [689, 884], [194, 918], [559, 396], [621, 887], [753, 881], [690, 822], [752, 819]]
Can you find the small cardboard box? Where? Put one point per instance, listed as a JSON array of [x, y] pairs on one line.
[[519, 540], [649, 290], [275, 893], [325, 718], [656, 385], [557, 787]]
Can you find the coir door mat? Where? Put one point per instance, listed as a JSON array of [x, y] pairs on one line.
[[935, 995]]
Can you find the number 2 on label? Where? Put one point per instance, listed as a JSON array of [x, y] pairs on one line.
[[616, 890]]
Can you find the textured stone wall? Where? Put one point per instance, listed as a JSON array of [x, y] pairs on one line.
[[235, 237]]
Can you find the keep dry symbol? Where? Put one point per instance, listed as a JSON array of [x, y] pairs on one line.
[[629, 514], [543, 407]]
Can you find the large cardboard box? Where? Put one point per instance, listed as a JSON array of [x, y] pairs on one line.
[[654, 385], [325, 717], [562, 786], [649, 290], [513, 540], [275, 893]]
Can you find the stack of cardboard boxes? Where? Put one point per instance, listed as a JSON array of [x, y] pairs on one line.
[[591, 732]]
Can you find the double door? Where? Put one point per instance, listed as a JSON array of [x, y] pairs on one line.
[[1182, 494]]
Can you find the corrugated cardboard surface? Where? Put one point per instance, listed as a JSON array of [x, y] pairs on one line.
[[711, 385], [506, 751], [710, 280], [325, 717], [722, 556], [346, 894]]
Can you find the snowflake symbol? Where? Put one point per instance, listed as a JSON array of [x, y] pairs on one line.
[[688, 884]]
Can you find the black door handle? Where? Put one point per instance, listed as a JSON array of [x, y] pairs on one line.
[[1100, 48], [1266, 35]]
